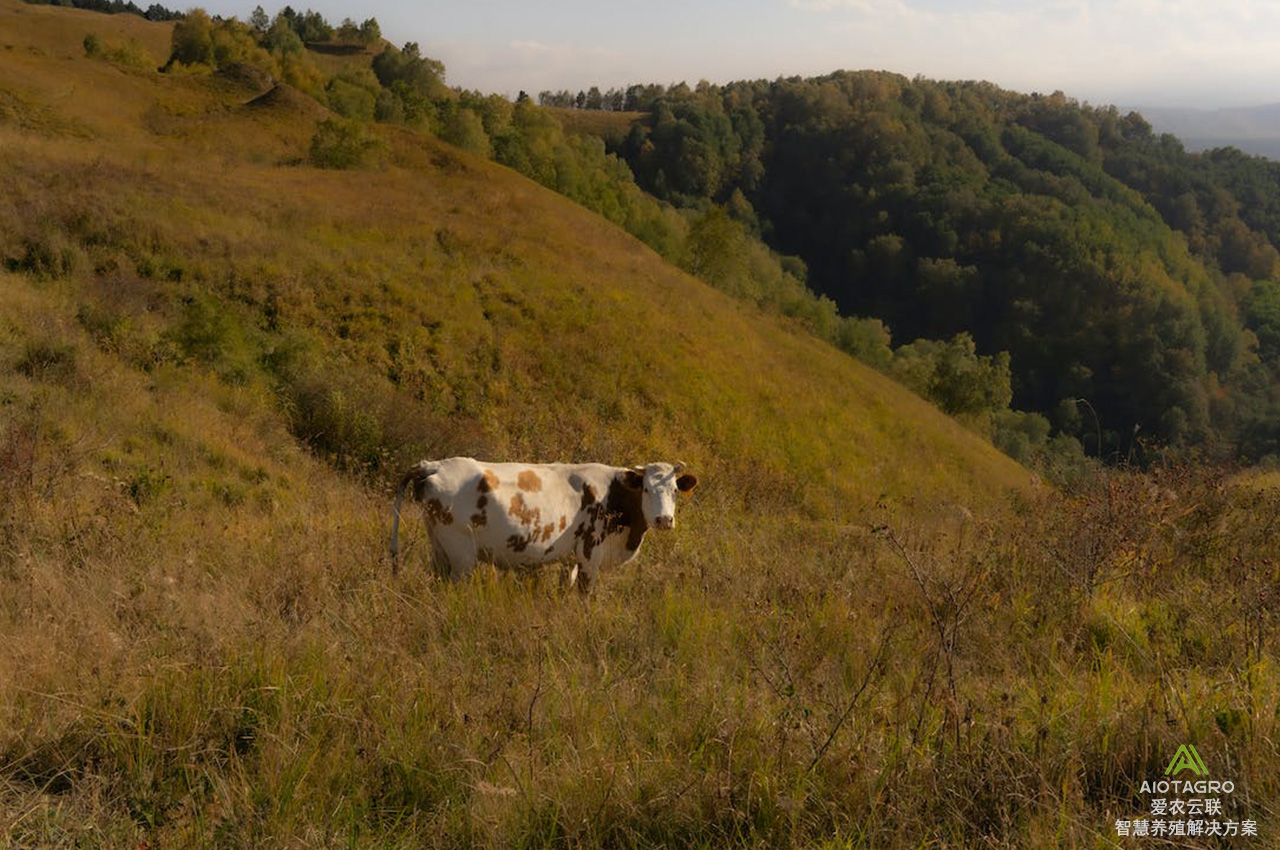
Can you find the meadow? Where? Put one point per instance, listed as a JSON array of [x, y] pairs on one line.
[[869, 628]]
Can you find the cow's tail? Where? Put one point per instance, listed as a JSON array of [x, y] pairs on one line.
[[416, 475]]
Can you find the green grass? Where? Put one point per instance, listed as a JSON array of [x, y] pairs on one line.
[[868, 630]]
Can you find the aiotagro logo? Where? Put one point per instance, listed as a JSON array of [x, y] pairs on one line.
[[1186, 758], [1196, 809]]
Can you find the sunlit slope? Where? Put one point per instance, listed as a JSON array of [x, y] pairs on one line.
[[502, 318], [57, 33], [213, 359], [47, 77], [613, 127]]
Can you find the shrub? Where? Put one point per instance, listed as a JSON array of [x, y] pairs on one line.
[[954, 376], [48, 360], [353, 95], [463, 128], [131, 53], [341, 144], [48, 254], [209, 333]]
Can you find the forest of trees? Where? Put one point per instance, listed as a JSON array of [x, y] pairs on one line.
[[1124, 277]]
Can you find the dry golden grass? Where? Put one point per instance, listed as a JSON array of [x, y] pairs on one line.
[[613, 127], [866, 630]]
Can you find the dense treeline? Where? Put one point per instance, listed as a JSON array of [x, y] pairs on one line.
[[634, 98], [1112, 266]]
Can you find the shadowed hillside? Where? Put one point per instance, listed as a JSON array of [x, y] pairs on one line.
[[868, 627]]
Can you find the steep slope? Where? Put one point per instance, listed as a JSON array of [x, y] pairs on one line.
[[213, 357], [474, 295], [212, 354]]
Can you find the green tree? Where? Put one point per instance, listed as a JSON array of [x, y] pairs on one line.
[[1262, 316], [281, 39], [259, 21], [193, 39], [462, 127], [714, 251], [954, 376]]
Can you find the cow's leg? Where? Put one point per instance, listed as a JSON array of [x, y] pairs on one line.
[[585, 575], [440, 563], [454, 558], [462, 562]]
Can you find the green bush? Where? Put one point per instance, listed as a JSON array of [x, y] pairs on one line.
[[209, 333], [343, 144], [462, 127], [954, 376], [353, 94], [131, 53]]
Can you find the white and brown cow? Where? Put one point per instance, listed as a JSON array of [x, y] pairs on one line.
[[522, 515]]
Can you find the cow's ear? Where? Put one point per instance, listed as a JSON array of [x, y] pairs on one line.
[[633, 480], [686, 482]]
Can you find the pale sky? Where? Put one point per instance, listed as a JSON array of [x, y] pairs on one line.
[[1199, 53]]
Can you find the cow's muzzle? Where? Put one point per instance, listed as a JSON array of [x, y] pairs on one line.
[[664, 523]]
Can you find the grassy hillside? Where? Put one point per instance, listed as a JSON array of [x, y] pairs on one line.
[[613, 127], [867, 629]]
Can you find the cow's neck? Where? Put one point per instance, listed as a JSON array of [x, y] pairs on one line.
[[624, 511]]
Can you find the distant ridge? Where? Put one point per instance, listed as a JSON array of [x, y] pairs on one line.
[[1252, 129]]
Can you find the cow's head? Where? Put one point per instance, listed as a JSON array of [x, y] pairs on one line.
[[657, 484]]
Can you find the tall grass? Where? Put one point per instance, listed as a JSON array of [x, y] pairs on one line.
[[865, 630], [188, 671]]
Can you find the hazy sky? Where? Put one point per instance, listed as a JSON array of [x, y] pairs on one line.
[[1130, 52]]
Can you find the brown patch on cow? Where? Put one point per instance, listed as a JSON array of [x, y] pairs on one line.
[[547, 531], [480, 517], [529, 481], [591, 529], [519, 542], [586, 532], [563, 522], [438, 513], [624, 512], [525, 514], [488, 482]]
